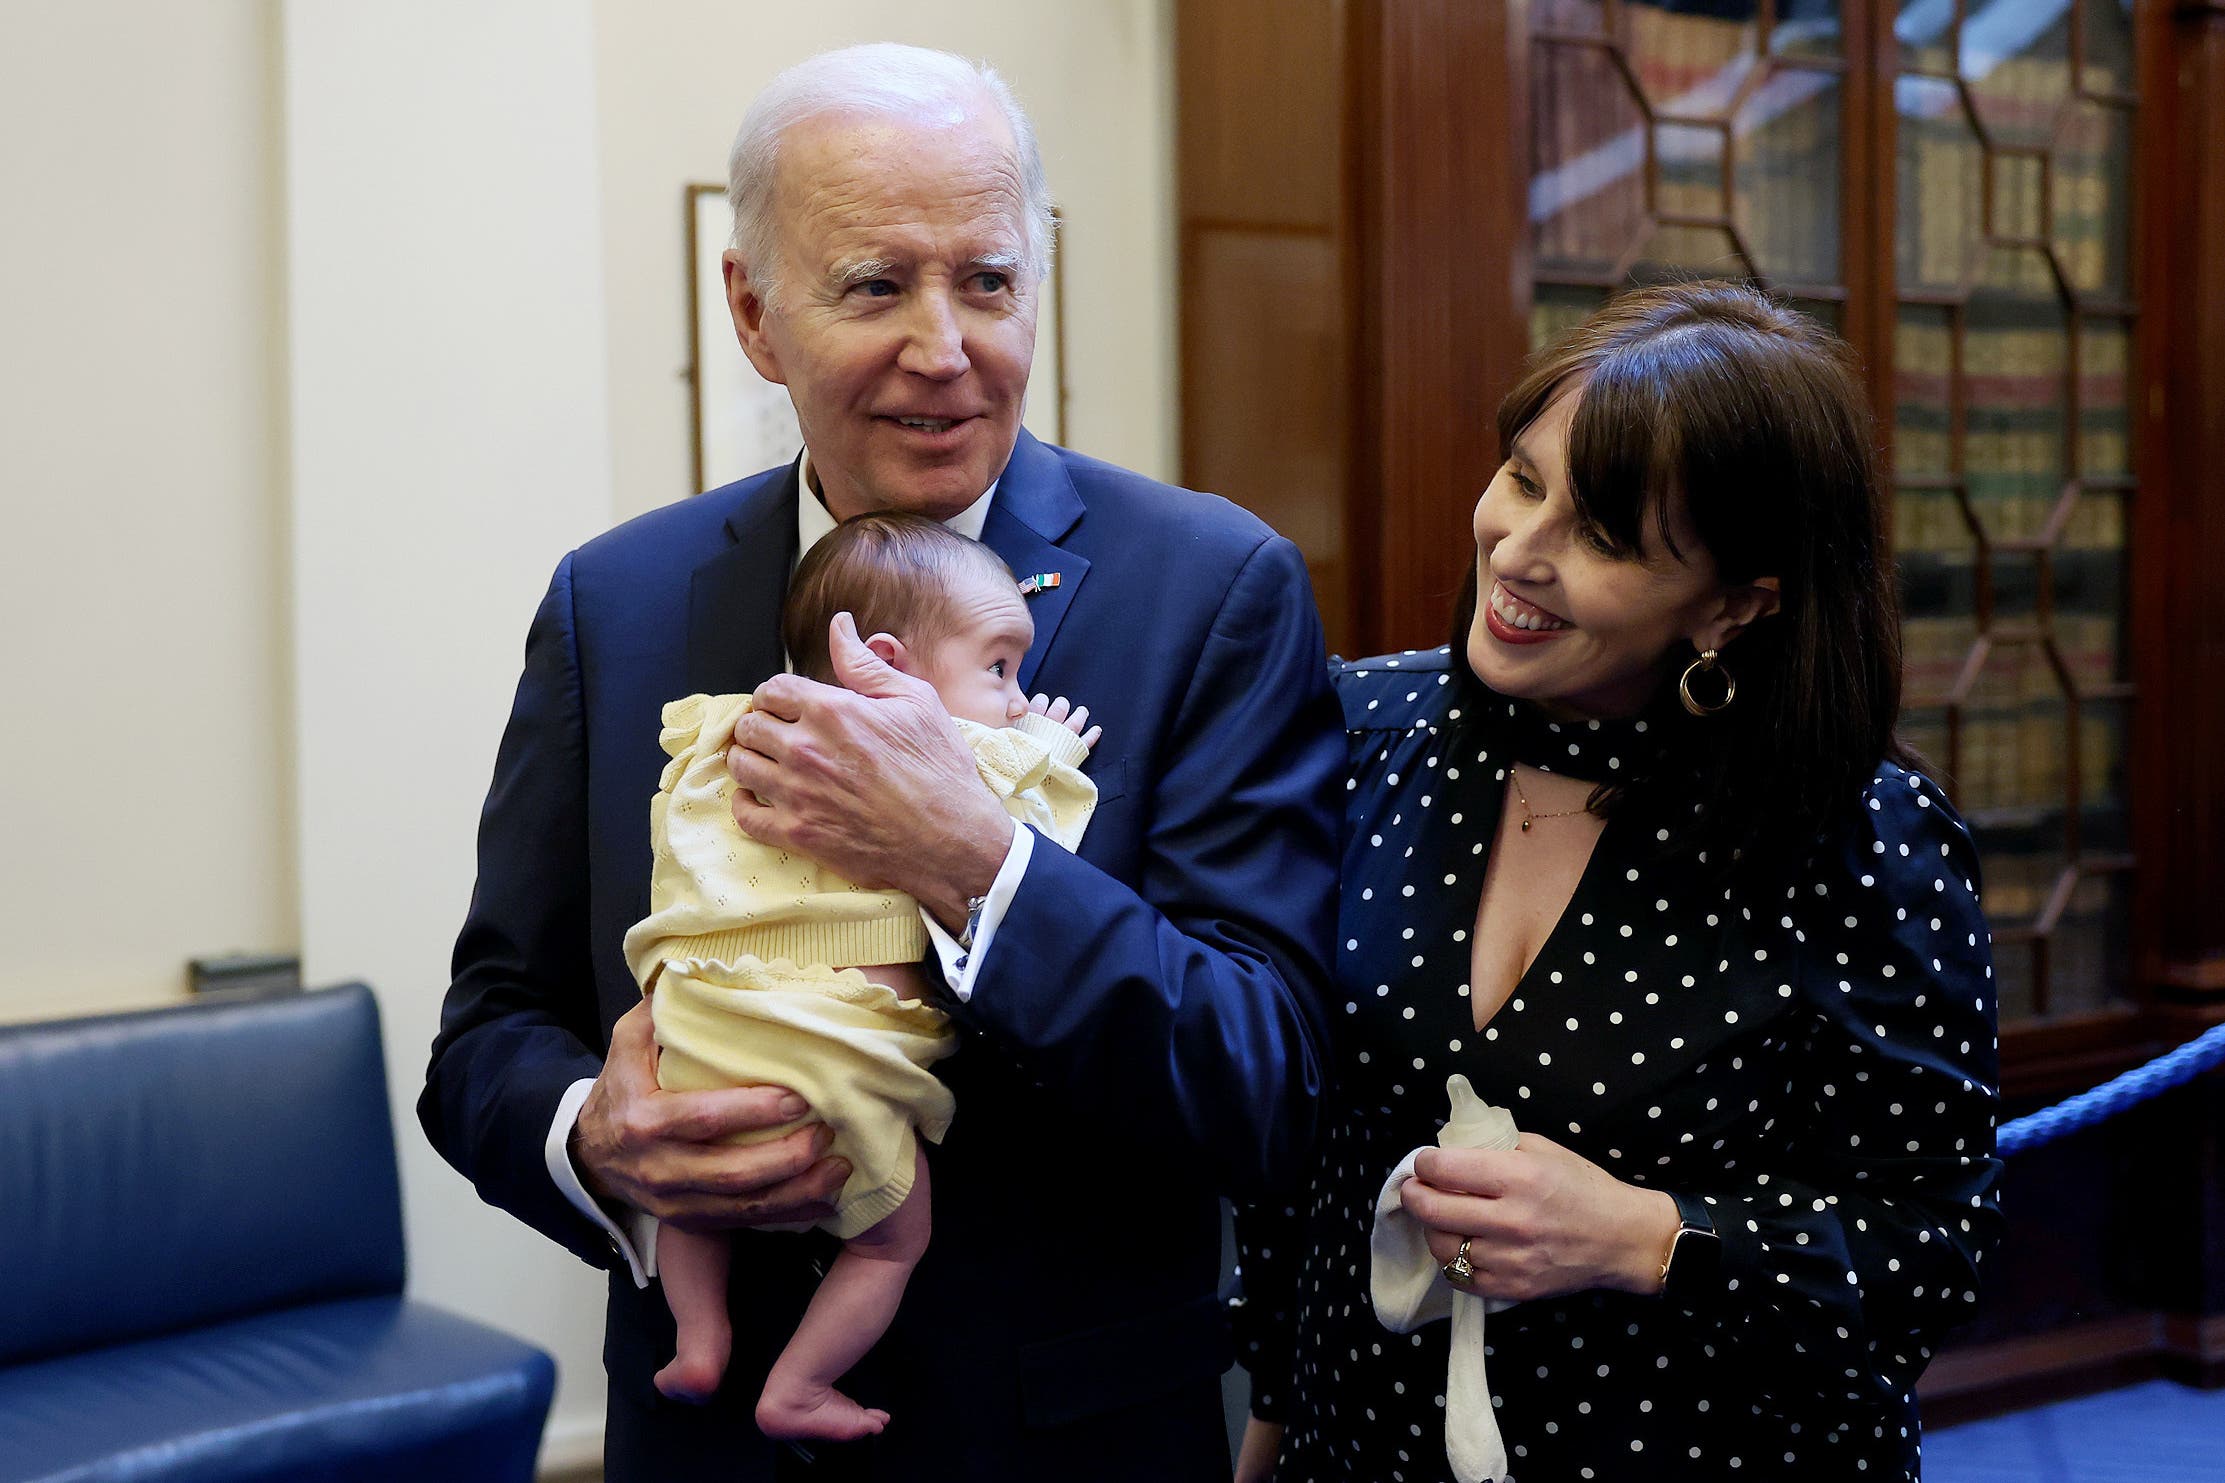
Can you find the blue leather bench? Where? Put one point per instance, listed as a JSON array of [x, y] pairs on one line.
[[201, 1262]]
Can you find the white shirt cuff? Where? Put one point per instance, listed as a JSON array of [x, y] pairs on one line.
[[637, 1246], [961, 965]]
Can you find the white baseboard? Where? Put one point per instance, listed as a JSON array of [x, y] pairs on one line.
[[572, 1445]]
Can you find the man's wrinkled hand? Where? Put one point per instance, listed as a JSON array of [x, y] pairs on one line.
[[869, 778], [663, 1152]]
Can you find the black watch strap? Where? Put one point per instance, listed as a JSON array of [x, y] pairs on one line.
[[1693, 1274]]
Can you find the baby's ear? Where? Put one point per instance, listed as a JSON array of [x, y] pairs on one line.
[[890, 650]]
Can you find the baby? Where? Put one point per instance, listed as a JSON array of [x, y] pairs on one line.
[[764, 968]]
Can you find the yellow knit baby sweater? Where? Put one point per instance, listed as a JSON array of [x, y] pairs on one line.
[[715, 894]]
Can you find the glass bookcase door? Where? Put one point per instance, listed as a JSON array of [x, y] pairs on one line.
[[1672, 139], [1711, 138], [2013, 263]]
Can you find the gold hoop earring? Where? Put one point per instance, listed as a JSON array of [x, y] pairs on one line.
[[1708, 663]]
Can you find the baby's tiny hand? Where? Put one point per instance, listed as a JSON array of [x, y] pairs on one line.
[[1073, 718]]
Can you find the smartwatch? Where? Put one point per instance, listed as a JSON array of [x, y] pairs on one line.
[[1692, 1271]]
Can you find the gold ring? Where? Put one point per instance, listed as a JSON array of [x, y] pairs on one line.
[[1460, 1271]]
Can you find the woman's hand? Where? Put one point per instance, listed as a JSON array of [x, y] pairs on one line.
[[1255, 1459], [1540, 1221]]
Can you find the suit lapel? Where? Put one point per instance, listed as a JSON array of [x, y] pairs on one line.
[[734, 598], [1035, 508]]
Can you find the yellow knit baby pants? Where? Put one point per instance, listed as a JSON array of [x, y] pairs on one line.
[[848, 1046]]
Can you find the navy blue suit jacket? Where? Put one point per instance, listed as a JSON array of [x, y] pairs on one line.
[[1146, 1032]]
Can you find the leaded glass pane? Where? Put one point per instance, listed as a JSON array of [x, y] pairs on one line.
[[1693, 63], [1787, 176], [1556, 308], [1938, 556], [2092, 228], [1689, 163], [1925, 31], [1938, 227], [2015, 59], [1923, 366], [1807, 28], [1575, 17], [1683, 251], [2089, 591], [2018, 210], [2108, 28], [2015, 349], [1587, 184], [2104, 432], [2012, 353]]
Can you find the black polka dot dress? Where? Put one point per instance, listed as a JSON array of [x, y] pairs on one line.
[[1814, 1056]]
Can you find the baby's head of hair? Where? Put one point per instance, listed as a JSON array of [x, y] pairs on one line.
[[893, 573]]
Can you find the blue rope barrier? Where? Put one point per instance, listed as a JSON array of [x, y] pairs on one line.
[[2114, 1095]]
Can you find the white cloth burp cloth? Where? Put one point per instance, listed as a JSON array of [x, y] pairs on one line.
[[1408, 1290]]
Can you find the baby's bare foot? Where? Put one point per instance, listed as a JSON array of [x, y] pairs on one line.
[[785, 1412], [693, 1375]]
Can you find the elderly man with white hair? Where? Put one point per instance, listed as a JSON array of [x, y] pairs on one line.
[[1142, 1022]]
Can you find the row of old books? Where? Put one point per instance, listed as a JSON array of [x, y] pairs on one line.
[[2085, 960], [2007, 506], [2011, 765], [1603, 171], [2014, 735], [2016, 391], [2083, 208]]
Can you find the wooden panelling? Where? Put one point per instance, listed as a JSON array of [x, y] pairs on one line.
[[1270, 411], [1265, 327], [2179, 614], [1257, 85], [1372, 150], [1867, 212], [1440, 305], [1982, 1380]]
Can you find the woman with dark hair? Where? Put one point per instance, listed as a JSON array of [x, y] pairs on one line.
[[1638, 855]]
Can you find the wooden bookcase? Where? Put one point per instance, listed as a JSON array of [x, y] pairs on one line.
[[2003, 205]]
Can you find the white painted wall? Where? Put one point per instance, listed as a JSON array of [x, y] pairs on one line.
[[450, 442], [1095, 75], [144, 791]]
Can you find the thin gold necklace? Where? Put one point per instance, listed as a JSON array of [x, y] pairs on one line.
[[1530, 817]]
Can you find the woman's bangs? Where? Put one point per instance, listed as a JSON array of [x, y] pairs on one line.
[[1622, 453]]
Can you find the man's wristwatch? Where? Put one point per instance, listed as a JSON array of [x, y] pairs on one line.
[[975, 905], [1690, 1272]]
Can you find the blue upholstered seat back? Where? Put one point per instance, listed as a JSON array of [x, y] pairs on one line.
[[180, 1166]]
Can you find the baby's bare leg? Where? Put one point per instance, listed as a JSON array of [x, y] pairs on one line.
[[904, 979], [692, 1266], [848, 1314]]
